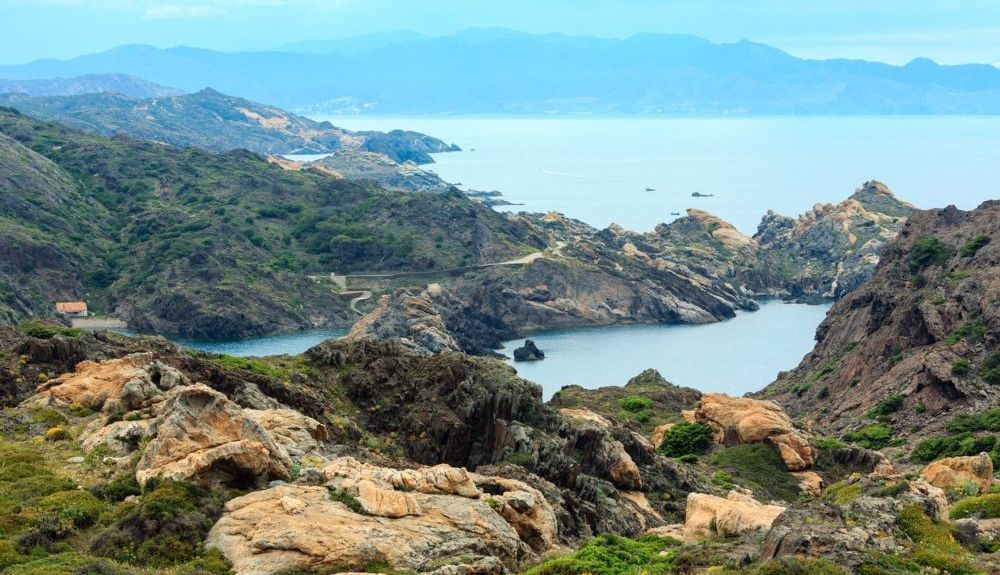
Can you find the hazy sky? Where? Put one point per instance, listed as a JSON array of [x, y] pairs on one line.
[[954, 31]]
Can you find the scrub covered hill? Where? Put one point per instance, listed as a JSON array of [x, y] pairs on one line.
[[189, 243], [214, 121]]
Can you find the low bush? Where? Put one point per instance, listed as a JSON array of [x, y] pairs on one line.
[[68, 563], [972, 246], [77, 507], [614, 555], [164, 528], [953, 446], [635, 403], [42, 330], [842, 493], [982, 507], [988, 420], [990, 369], [960, 367], [875, 436], [790, 566], [887, 406], [686, 439], [928, 251]]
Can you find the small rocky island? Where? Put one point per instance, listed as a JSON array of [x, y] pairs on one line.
[[528, 352]]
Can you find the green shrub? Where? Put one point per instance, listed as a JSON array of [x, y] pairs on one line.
[[928, 251], [829, 443], [635, 403], [688, 458], [842, 493], [875, 436], [971, 331], [972, 246], [988, 420], [164, 528], [211, 563], [42, 330], [790, 566], [686, 439], [960, 367], [990, 369], [982, 507], [614, 555], [347, 499], [78, 507], [887, 406], [952, 446], [758, 467], [935, 546], [116, 490], [67, 564]]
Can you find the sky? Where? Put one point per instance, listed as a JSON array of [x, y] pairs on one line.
[[894, 31]]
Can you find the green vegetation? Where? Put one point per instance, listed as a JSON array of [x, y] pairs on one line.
[[971, 331], [842, 493], [43, 330], [789, 566], [960, 367], [972, 246], [990, 369], [983, 507], [347, 499], [935, 546], [988, 420], [686, 439], [875, 436], [758, 467], [247, 364], [636, 407], [956, 445], [614, 555], [887, 406], [928, 251]]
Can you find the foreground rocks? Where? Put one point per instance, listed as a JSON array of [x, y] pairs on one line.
[[432, 520], [957, 472], [736, 514]]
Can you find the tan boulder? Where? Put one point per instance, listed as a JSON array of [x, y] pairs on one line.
[[810, 482], [199, 434], [493, 530], [673, 531], [99, 385], [737, 420], [615, 463], [958, 471], [298, 434], [738, 513], [586, 415]]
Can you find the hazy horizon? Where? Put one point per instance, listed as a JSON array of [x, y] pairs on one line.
[[893, 32]]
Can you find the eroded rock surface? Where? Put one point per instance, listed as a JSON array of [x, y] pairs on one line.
[[956, 472], [736, 514]]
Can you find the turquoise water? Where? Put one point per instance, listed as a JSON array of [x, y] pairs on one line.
[[291, 343], [735, 356], [598, 169]]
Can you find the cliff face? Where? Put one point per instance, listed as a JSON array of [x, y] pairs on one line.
[[925, 328]]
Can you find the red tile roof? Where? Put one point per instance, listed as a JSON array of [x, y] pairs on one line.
[[71, 306]]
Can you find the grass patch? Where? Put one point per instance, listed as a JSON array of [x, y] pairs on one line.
[[875, 436], [842, 493], [887, 406], [253, 365], [965, 443], [614, 555], [988, 420], [928, 251], [42, 330], [758, 467], [982, 507], [971, 331], [935, 546], [972, 246], [990, 369], [342, 496]]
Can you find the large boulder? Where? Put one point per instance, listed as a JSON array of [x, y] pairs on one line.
[[528, 352], [737, 420], [436, 519], [959, 471], [199, 434], [738, 513]]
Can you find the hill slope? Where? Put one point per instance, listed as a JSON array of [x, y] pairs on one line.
[[500, 71], [89, 84], [217, 122]]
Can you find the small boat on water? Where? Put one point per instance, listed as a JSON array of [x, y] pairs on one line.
[[675, 213], [700, 195], [650, 189]]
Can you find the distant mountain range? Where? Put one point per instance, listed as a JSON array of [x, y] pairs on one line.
[[88, 84], [506, 72], [214, 121]]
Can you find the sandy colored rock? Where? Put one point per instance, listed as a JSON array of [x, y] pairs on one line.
[[93, 383], [744, 420], [298, 434], [673, 531], [659, 433], [199, 434], [738, 513], [586, 415], [809, 482], [412, 519], [958, 471]]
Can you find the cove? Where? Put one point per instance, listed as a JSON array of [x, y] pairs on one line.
[[289, 343], [736, 356]]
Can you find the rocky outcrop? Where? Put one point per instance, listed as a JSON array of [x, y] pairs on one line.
[[956, 472], [413, 519], [738, 513], [929, 307], [745, 420], [386, 172], [528, 352], [411, 319]]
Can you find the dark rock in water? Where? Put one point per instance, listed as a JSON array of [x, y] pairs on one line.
[[528, 352]]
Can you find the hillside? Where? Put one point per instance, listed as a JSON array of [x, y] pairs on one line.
[[916, 345], [190, 243], [89, 84], [213, 121], [505, 72]]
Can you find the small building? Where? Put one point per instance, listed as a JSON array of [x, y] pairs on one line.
[[72, 308]]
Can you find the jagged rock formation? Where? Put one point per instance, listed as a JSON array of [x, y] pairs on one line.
[[411, 319], [528, 352], [957, 472], [361, 165], [830, 250], [915, 343], [736, 514]]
